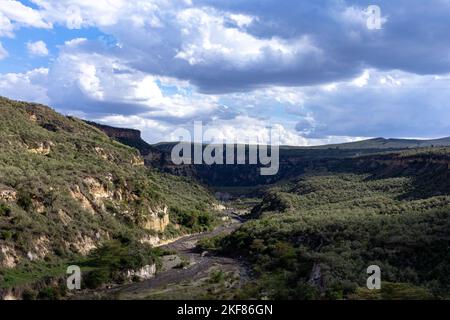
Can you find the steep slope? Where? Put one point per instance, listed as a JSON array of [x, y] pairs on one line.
[[66, 188]]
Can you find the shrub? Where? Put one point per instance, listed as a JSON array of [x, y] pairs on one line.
[[24, 200], [5, 210]]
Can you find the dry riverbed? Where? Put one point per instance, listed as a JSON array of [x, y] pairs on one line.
[[187, 274]]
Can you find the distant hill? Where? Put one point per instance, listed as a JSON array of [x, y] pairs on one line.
[[382, 143], [294, 160]]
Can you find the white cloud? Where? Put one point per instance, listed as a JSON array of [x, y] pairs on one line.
[[29, 86], [76, 14], [14, 14], [104, 84], [386, 103], [317, 68], [207, 39], [3, 52], [362, 80], [38, 48]]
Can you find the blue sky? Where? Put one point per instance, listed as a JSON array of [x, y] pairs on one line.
[[313, 70]]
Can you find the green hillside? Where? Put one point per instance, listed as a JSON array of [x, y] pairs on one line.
[[66, 189], [313, 238]]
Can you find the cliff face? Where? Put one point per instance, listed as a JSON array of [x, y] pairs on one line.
[[130, 137]]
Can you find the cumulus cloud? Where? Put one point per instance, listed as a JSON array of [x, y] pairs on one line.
[[14, 14], [101, 83], [389, 103], [29, 86], [38, 48]]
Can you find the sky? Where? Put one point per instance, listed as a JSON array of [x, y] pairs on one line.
[[314, 70]]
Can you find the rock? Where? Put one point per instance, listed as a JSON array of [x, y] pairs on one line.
[[8, 257], [82, 200], [64, 217], [7, 194], [43, 148], [157, 220], [84, 244], [144, 273], [218, 207]]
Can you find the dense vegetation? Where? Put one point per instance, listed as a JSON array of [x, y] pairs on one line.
[[315, 237]]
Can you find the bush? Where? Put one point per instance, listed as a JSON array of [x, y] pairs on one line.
[[5, 210], [6, 235], [24, 200], [114, 258], [96, 279], [29, 294]]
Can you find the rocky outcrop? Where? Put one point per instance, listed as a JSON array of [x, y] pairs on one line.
[[316, 278], [84, 244], [81, 199], [128, 137], [144, 273], [97, 190], [8, 256], [43, 148], [40, 249], [7, 194], [157, 220], [137, 161]]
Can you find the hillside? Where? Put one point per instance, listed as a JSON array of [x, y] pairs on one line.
[[382, 143], [314, 237], [66, 189]]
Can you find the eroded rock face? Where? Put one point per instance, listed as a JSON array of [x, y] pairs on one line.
[[137, 161], [82, 200], [84, 245], [157, 220], [102, 153], [40, 249], [43, 148], [97, 189], [64, 217], [7, 194], [144, 273], [8, 257], [10, 294], [151, 240]]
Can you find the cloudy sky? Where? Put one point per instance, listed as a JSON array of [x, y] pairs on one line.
[[311, 69]]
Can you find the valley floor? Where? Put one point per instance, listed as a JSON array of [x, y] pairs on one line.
[[187, 273]]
